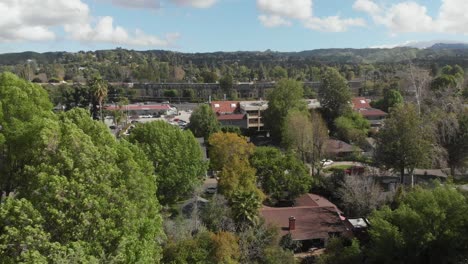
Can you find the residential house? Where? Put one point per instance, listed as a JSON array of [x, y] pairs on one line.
[[313, 220], [375, 116], [341, 149]]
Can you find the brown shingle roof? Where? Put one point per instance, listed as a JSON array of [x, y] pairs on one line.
[[312, 222], [316, 218], [335, 146]]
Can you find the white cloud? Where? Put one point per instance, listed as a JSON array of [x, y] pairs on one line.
[[299, 9], [153, 4], [156, 4], [333, 23], [409, 16], [273, 21], [367, 6], [276, 13], [106, 32], [195, 3], [38, 20]]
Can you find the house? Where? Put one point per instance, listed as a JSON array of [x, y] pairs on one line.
[[338, 148], [229, 113], [313, 220], [422, 176], [375, 116], [254, 111]]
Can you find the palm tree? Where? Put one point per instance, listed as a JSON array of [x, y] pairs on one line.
[[99, 90], [245, 206]]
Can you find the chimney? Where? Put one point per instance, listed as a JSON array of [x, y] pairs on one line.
[[292, 223]]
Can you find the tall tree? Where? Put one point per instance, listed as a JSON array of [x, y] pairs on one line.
[[99, 89], [298, 133], [405, 141], [319, 139], [287, 95], [176, 156], [203, 122], [334, 95]]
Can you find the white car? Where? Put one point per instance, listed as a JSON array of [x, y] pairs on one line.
[[327, 162]]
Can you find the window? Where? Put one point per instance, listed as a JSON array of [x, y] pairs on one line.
[[216, 105], [233, 105]]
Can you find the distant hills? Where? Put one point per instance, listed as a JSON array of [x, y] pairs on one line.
[[442, 53]]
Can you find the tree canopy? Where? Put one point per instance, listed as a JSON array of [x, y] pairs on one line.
[[334, 95], [405, 141], [429, 226], [203, 122], [282, 177], [176, 156], [288, 94]]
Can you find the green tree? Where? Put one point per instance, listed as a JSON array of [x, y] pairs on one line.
[[282, 177], [203, 122], [176, 156], [22, 236], [352, 127], [278, 73], [99, 89], [334, 95], [92, 183], [226, 83], [209, 77], [287, 95], [404, 142], [341, 251], [429, 226], [391, 98], [245, 206]]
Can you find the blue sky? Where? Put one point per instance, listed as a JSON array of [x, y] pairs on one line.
[[227, 25]]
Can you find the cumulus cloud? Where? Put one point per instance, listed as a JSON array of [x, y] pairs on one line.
[[281, 12], [21, 22], [105, 32], [156, 4], [409, 16], [273, 21], [333, 23]]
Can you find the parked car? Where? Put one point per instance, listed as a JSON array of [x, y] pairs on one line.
[[327, 162]]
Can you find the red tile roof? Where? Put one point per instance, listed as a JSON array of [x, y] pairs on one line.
[[139, 107], [224, 107], [316, 218], [231, 117], [360, 102]]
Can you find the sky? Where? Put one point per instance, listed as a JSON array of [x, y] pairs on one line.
[[227, 25]]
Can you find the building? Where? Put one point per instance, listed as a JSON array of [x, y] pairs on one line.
[[375, 116], [254, 111], [338, 148], [145, 110], [313, 220], [229, 113]]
